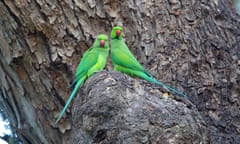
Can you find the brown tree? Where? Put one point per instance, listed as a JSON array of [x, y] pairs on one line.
[[191, 45]]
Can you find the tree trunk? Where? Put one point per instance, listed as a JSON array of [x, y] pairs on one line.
[[193, 46]]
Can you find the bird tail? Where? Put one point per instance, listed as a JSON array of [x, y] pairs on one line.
[[149, 78], [76, 87]]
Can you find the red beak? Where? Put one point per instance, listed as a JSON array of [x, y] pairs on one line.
[[102, 42], [118, 32]]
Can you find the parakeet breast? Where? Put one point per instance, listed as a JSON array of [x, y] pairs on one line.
[[101, 61]]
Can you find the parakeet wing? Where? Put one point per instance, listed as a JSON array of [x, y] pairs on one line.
[[88, 60], [123, 57]]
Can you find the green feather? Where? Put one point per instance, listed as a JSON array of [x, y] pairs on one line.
[[124, 61], [93, 60], [76, 87]]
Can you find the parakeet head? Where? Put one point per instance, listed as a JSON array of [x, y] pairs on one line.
[[101, 41], [116, 32]]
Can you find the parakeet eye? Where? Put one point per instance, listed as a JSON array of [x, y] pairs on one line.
[[118, 32], [102, 42]]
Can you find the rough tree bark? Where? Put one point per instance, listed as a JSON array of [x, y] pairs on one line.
[[114, 108], [191, 45]]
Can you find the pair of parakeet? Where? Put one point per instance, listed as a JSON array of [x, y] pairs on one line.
[[123, 60]]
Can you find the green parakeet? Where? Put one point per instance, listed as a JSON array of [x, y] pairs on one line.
[[93, 60], [124, 61]]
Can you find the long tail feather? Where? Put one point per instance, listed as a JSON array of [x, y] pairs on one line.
[[147, 77], [78, 84], [169, 88]]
